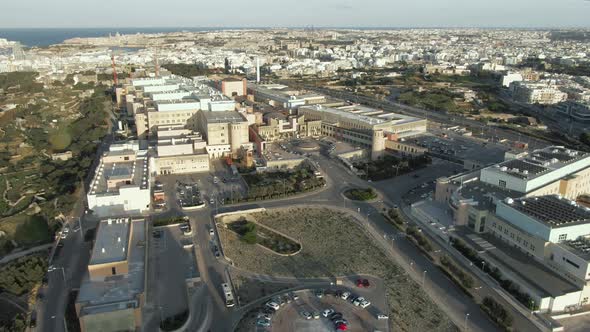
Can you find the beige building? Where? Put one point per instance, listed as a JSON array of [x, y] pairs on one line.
[[112, 293], [225, 132], [234, 87], [180, 151], [279, 126], [363, 126]]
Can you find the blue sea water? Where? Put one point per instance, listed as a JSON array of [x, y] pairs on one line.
[[45, 37]]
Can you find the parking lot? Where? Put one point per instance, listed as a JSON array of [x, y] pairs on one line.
[[461, 147], [170, 267], [308, 312], [217, 184]]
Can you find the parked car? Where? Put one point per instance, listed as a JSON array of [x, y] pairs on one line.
[[335, 316], [316, 315], [345, 295], [363, 283], [306, 314], [382, 316], [319, 293], [365, 304], [294, 296], [327, 312], [273, 305]]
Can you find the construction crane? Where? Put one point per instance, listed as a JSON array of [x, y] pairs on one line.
[[115, 79]]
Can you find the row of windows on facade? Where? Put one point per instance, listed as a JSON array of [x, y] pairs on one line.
[[524, 242]]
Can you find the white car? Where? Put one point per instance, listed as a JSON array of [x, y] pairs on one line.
[[306, 314], [327, 312], [358, 301], [382, 316], [345, 295], [273, 305], [211, 232], [365, 303]]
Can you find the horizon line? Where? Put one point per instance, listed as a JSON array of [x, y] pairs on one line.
[[305, 27]]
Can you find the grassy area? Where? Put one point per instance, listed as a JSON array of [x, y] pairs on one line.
[[251, 233], [390, 166], [26, 230], [334, 245], [280, 183], [360, 194]]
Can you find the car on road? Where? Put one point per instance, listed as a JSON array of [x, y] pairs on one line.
[[216, 251], [306, 314], [273, 305], [186, 229], [215, 180], [327, 312], [382, 316], [211, 232]]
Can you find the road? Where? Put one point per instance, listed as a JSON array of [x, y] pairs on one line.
[[437, 116], [443, 291], [73, 258]]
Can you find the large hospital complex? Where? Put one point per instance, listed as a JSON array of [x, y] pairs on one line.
[[527, 203]]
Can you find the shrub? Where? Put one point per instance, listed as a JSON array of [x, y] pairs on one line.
[[496, 312]]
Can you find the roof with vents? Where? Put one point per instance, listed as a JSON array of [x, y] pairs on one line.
[[112, 240], [553, 211]]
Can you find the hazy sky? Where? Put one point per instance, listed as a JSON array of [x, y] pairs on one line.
[[282, 13]]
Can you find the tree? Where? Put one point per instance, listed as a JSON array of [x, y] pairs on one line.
[[585, 138]]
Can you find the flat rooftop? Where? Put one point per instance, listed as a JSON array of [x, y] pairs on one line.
[[552, 210], [121, 291], [223, 117], [580, 247], [111, 241], [541, 162], [365, 114], [483, 193], [136, 170]]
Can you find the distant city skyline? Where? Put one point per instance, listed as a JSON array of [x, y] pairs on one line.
[[322, 14]]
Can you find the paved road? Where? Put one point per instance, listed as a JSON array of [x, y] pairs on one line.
[[444, 292]]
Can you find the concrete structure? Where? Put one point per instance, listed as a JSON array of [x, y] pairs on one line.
[[234, 88], [180, 151], [537, 93], [111, 296], [282, 96], [364, 126], [577, 111], [511, 77], [121, 182], [519, 201], [280, 126], [225, 132], [170, 100]]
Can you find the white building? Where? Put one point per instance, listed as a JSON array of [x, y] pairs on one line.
[[121, 183]]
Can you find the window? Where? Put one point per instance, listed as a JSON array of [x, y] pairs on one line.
[[114, 270], [502, 183], [562, 237]]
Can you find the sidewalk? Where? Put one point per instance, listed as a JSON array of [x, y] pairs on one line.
[[483, 277]]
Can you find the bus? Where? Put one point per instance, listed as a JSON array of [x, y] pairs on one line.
[[229, 296]]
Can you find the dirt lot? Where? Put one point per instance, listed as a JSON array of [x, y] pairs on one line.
[[333, 245]]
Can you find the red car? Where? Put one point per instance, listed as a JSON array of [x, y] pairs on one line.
[[363, 283], [341, 327]]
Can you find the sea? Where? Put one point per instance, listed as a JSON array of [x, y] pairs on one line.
[[40, 37]]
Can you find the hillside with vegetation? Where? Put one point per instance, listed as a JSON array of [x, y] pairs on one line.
[[45, 118]]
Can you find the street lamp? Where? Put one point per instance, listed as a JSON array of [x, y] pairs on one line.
[[423, 277], [465, 324], [483, 266]]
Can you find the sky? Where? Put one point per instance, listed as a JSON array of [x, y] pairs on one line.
[[294, 13]]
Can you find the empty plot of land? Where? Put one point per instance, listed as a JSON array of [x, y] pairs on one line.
[[334, 245]]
